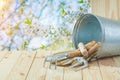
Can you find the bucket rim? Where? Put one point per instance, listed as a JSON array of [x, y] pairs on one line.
[[82, 18]]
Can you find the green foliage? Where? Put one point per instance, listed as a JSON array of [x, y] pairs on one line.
[[22, 10], [28, 21], [89, 1], [81, 9], [25, 44], [3, 15], [81, 1], [31, 26], [51, 1], [17, 26], [64, 13], [43, 47], [63, 3]]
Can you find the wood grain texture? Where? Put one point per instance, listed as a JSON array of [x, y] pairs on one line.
[[117, 70], [54, 74], [2, 54], [109, 70], [38, 72], [117, 60], [106, 8], [21, 65], [21, 68], [7, 64], [72, 75], [92, 72]]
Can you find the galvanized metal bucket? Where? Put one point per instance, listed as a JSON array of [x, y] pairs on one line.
[[90, 27]]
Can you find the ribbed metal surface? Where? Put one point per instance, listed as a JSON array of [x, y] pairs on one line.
[[90, 27]]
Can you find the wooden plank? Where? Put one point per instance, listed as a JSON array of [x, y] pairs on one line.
[[106, 8], [118, 10], [38, 72], [2, 54], [7, 64], [53, 74], [117, 60], [21, 68], [72, 75], [98, 7], [109, 70], [92, 72], [117, 70], [112, 9]]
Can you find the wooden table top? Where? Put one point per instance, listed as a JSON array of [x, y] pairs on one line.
[[28, 65]]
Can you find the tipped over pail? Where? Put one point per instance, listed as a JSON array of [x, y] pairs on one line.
[[90, 27]]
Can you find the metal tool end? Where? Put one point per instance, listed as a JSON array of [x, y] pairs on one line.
[[56, 64], [82, 67], [68, 62], [79, 60], [44, 62]]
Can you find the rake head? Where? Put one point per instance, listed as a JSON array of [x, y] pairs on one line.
[[55, 58], [77, 61]]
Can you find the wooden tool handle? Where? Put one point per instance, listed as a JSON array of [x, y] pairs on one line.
[[90, 44], [91, 56], [75, 54], [94, 48], [83, 49], [62, 52]]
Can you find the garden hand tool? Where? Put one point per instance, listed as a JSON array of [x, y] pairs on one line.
[[83, 61], [55, 58], [60, 57]]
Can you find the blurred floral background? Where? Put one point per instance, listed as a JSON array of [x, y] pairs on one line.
[[39, 24]]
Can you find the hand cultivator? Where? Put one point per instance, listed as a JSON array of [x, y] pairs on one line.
[[75, 58]]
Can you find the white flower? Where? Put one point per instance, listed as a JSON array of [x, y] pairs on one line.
[[5, 40], [37, 42]]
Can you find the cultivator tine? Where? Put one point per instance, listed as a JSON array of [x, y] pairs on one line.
[[62, 56], [44, 62], [56, 64], [78, 60], [54, 59], [50, 64], [75, 64], [68, 62], [82, 67]]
